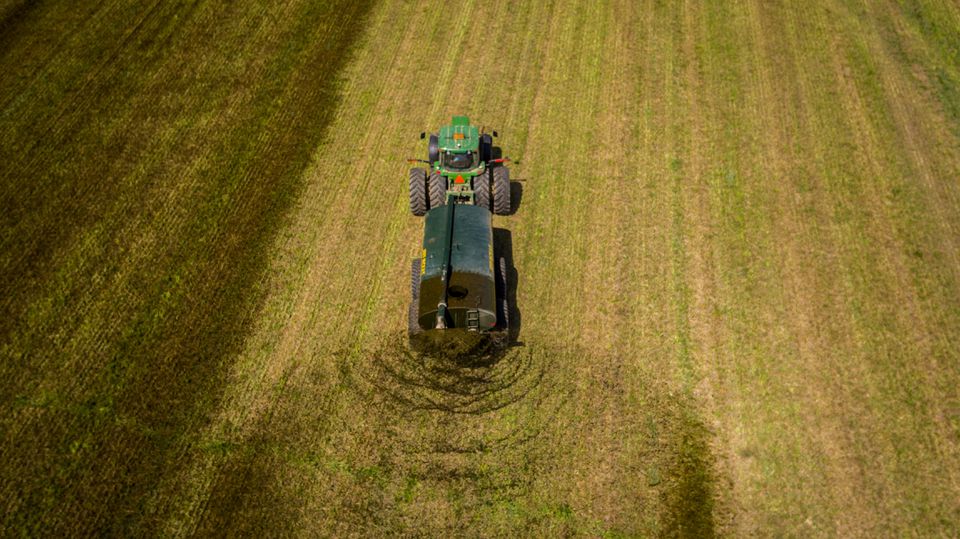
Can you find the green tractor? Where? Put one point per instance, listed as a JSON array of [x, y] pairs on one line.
[[460, 170], [458, 286]]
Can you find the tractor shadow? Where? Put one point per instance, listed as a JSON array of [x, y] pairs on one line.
[[516, 187], [516, 196]]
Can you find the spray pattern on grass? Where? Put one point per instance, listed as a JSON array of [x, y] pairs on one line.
[[487, 431], [462, 430]]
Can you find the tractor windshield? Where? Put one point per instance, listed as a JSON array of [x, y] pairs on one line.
[[458, 161]]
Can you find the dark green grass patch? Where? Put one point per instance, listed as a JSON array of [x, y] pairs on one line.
[[123, 200]]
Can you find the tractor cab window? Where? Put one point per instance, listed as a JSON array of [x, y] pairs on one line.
[[458, 161]]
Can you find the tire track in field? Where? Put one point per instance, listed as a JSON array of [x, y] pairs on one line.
[[613, 493], [647, 327], [818, 447], [607, 456], [665, 442], [829, 132], [823, 453], [923, 371], [705, 504], [872, 263], [775, 72], [759, 239], [841, 382], [890, 268], [919, 125], [690, 503]]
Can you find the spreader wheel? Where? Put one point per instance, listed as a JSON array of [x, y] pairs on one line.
[[481, 189], [418, 191], [413, 325], [437, 186], [501, 190]]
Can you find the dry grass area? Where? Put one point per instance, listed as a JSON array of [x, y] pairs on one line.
[[737, 255]]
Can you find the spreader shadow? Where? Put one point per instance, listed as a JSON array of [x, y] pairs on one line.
[[503, 246]]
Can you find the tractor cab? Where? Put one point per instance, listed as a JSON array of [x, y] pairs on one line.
[[458, 161], [459, 146]]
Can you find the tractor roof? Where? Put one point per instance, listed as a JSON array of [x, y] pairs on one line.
[[459, 136]]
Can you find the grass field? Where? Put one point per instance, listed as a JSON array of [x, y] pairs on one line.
[[737, 257]]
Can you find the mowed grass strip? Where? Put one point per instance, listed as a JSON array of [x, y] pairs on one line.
[[152, 166], [818, 293]]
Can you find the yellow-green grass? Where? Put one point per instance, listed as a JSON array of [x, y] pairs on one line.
[[737, 264]]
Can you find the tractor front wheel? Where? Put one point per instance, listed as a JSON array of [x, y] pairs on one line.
[[418, 191], [433, 149], [486, 147], [501, 190]]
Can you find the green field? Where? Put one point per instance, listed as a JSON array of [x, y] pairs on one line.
[[737, 257]]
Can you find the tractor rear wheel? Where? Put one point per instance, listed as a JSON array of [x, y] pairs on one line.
[[412, 323], [437, 187], [501, 190], [481, 190], [418, 191]]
